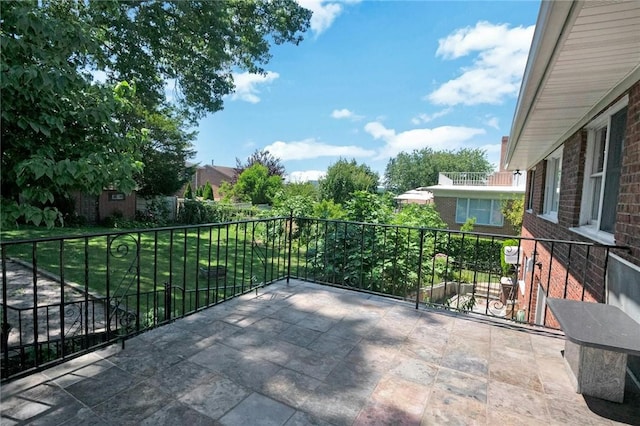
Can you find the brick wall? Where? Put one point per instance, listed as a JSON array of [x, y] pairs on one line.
[[578, 273], [628, 219], [108, 207]]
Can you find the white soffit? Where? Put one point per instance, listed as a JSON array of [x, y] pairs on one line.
[[583, 56]]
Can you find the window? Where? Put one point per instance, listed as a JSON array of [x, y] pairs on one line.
[[552, 184], [116, 196], [603, 165], [486, 212], [530, 188]]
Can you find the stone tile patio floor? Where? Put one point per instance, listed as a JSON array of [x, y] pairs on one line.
[[303, 354]]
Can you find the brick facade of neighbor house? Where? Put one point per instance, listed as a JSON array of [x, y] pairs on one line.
[[111, 202], [215, 175], [587, 280], [94, 209]]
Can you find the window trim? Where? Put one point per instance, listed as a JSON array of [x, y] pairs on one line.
[[587, 226], [530, 189], [549, 187]]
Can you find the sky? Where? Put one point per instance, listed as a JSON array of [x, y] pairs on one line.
[[373, 79]]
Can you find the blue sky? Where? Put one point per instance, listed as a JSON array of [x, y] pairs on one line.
[[372, 79]]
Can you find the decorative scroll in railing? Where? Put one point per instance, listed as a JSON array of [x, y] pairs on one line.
[[65, 296], [125, 250]]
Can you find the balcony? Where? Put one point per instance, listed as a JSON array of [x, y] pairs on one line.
[[303, 353], [293, 320], [478, 179]]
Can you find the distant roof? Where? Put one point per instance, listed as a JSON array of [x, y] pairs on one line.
[[416, 194]]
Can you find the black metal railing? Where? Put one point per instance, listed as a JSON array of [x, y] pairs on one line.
[[64, 296]]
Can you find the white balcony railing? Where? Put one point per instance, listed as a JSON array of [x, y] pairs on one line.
[[517, 179]]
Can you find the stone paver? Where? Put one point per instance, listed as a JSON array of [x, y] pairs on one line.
[[305, 354]]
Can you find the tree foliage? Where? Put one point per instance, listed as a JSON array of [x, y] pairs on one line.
[[207, 191], [165, 151], [188, 192], [344, 178], [264, 157], [421, 168], [58, 132], [64, 132], [513, 212], [256, 185]]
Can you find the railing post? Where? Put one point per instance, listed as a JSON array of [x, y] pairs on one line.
[[289, 248], [5, 327], [167, 301], [418, 285]]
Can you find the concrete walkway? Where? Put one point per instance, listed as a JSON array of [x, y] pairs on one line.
[[304, 354]]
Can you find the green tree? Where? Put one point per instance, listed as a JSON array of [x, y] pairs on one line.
[[513, 212], [58, 133], [188, 192], [327, 209], [165, 151], [305, 189], [263, 157], [422, 167], [419, 215], [63, 132], [207, 191], [197, 45], [256, 185], [344, 178], [367, 207]]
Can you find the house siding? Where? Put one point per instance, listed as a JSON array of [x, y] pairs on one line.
[[589, 282]]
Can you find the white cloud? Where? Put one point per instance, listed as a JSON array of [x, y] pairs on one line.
[[493, 122], [305, 176], [247, 85], [438, 138], [497, 69], [345, 113], [310, 148], [425, 118], [324, 13]]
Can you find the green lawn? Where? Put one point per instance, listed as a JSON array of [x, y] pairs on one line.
[[164, 256]]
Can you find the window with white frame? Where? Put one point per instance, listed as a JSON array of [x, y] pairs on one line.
[[552, 184], [486, 212], [530, 188], [603, 165]]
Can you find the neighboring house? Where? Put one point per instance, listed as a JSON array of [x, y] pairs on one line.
[[95, 209], [215, 175], [460, 196], [576, 131], [415, 196]]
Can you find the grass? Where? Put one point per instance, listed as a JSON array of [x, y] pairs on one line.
[[110, 263]]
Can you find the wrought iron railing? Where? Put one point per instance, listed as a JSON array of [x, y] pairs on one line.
[[65, 296]]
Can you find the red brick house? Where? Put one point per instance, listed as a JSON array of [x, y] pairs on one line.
[[95, 209], [460, 196], [215, 175], [576, 131]]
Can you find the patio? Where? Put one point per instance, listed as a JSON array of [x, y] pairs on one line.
[[302, 353]]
